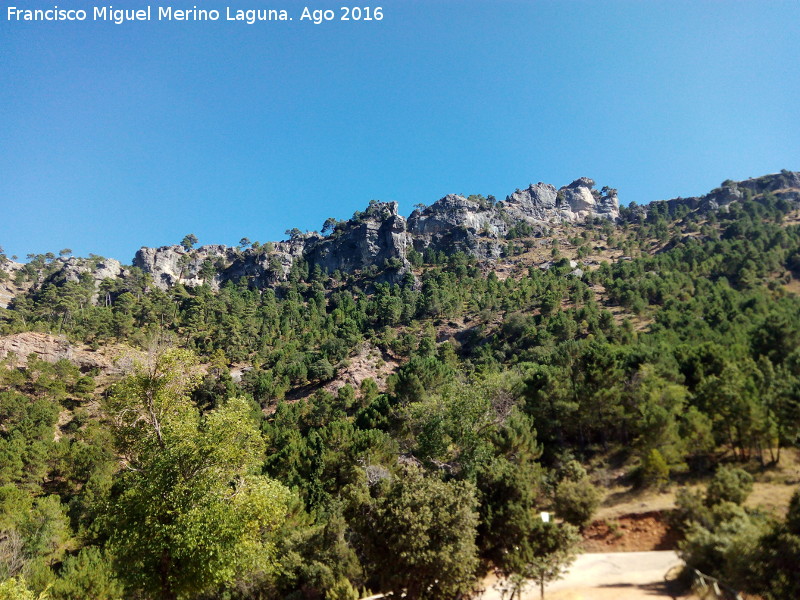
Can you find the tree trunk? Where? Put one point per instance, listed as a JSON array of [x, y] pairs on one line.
[[167, 593]]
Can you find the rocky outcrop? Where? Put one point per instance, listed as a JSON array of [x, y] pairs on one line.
[[263, 266], [18, 279], [9, 287], [74, 269], [377, 236], [784, 185], [478, 226], [375, 241], [170, 265], [98, 269], [458, 224], [15, 350], [572, 203]]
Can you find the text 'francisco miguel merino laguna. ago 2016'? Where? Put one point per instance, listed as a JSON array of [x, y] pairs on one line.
[[168, 13]]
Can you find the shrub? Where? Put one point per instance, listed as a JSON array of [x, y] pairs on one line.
[[576, 501], [730, 484], [654, 471]]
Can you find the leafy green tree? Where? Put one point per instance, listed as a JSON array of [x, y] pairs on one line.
[[544, 556], [775, 561], [17, 589], [87, 576], [419, 537], [654, 470], [191, 512]]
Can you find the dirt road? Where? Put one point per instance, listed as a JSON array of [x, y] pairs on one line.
[[612, 576]]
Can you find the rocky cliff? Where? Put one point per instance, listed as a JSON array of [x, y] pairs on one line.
[[479, 226], [379, 237], [262, 266], [377, 241], [783, 186]]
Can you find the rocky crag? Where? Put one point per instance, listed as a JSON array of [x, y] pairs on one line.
[[379, 242], [783, 186], [380, 238]]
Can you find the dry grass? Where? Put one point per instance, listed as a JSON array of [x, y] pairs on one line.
[[772, 490]]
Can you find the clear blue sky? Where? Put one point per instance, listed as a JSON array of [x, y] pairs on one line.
[[113, 137]]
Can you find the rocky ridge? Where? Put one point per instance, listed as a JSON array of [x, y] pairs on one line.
[[378, 241], [784, 186], [379, 237]]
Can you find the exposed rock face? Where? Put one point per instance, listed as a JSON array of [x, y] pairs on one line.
[[263, 267], [72, 269], [170, 265], [46, 347], [8, 288], [215, 264], [457, 224], [380, 239], [52, 349], [377, 237], [572, 203], [784, 185], [99, 269], [58, 272], [477, 227], [537, 202]]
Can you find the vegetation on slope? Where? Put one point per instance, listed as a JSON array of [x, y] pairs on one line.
[[182, 483]]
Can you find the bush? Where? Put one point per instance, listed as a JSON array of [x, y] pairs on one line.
[[576, 501], [87, 576], [654, 471], [730, 484]]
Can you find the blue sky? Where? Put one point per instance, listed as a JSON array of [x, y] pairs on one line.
[[118, 136]]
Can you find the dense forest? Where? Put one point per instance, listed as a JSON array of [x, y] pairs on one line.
[[227, 458]]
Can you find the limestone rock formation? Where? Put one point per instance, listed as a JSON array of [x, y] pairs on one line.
[[458, 224], [478, 226], [264, 266], [784, 185], [8, 286], [377, 241], [72, 269], [16, 348], [376, 236]]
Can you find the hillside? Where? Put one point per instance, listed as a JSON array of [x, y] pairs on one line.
[[389, 404]]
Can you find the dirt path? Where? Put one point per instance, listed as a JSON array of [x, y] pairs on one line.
[[612, 576]]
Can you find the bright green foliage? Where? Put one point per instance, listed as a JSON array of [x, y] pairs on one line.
[[17, 589], [191, 513], [342, 590], [87, 576], [33, 533], [189, 241], [725, 544], [654, 470], [509, 486], [776, 558], [721, 538]]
